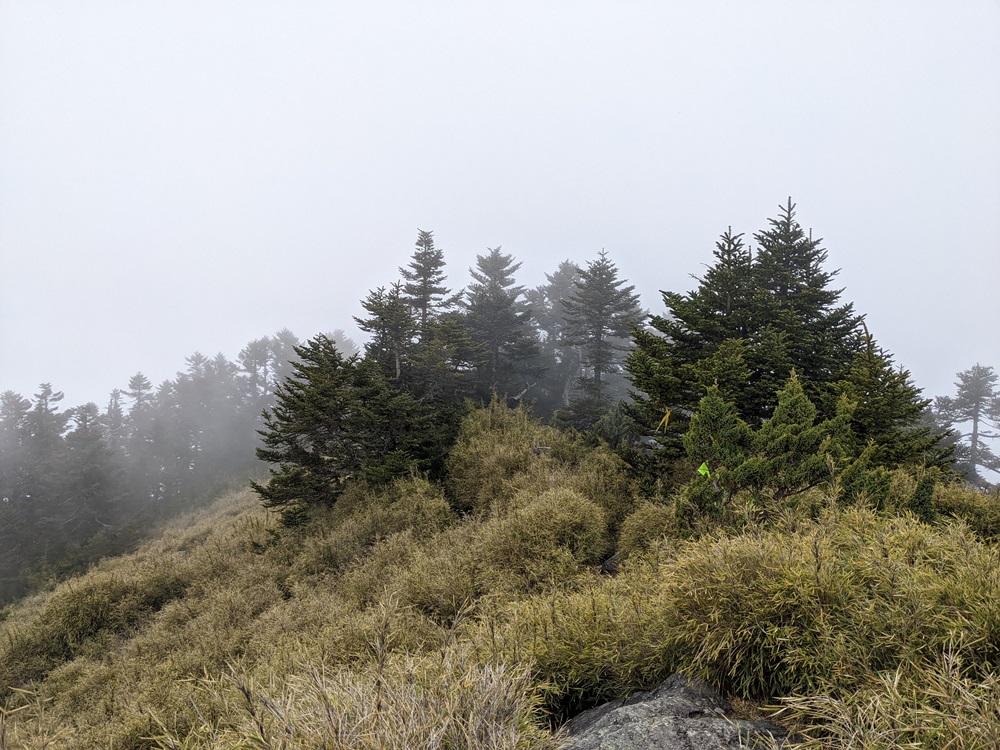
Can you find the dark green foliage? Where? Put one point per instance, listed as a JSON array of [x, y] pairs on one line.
[[497, 318], [424, 287], [338, 419], [753, 320], [600, 314], [312, 433], [558, 356], [886, 411], [392, 327], [922, 502], [790, 453], [777, 304]]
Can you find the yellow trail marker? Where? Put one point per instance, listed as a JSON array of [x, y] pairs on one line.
[[664, 422]]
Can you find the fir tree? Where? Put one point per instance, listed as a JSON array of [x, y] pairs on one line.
[[560, 358], [497, 318], [796, 299], [975, 406], [424, 287], [753, 319], [90, 477], [338, 419], [310, 435], [887, 410], [392, 327], [600, 314]]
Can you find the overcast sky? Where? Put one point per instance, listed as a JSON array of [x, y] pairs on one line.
[[180, 176]]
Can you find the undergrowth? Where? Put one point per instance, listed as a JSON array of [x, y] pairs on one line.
[[477, 615]]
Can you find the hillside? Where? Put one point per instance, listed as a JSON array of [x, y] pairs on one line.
[[476, 614]]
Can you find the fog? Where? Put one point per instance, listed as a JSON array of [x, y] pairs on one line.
[[181, 176]]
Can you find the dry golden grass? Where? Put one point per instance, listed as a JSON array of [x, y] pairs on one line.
[[392, 621]]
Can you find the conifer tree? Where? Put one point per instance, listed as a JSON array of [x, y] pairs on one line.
[[392, 327], [559, 357], [497, 318], [887, 410], [796, 299], [423, 286], [310, 435], [754, 318], [975, 406], [600, 314], [338, 419], [91, 479]]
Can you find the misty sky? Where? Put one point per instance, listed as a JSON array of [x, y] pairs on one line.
[[191, 175]]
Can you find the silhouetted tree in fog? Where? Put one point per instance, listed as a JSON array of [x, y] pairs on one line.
[[975, 406], [497, 317]]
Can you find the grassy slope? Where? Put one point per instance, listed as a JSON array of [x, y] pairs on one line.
[[391, 622]]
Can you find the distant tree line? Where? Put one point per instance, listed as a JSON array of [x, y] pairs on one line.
[[83, 482]]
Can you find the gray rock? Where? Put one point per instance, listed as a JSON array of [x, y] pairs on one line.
[[681, 714]]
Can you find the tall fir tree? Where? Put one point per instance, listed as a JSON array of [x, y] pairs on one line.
[[91, 477], [392, 327], [600, 314], [338, 419], [309, 436], [497, 318], [560, 358], [423, 286], [974, 412], [796, 299]]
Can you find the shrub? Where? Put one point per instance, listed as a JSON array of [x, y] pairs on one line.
[[99, 607], [823, 607], [545, 541], [445, 700], [495, 445], [649, 522], [978, 508], [933, 705], [601, 476]]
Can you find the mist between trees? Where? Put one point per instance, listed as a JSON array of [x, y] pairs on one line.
[[762, 374]]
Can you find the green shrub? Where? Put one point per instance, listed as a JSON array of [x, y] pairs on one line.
[[98, 608], [446, 700], [601, 476], [822, 607], [933, 705], [342, 535], [543, 542], [978, 508], [649, 522], [495, 446], [443, 578]]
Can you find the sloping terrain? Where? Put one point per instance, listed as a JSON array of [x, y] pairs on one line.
[[477, 615]]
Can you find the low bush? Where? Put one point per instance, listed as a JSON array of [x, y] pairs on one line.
[[823, 607], [495, 448], [444, 700], [649, 523], [542, 543], [977, 507], [100, 607], [931, 705]]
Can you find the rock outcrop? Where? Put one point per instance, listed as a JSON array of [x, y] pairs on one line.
[[681, 714]]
